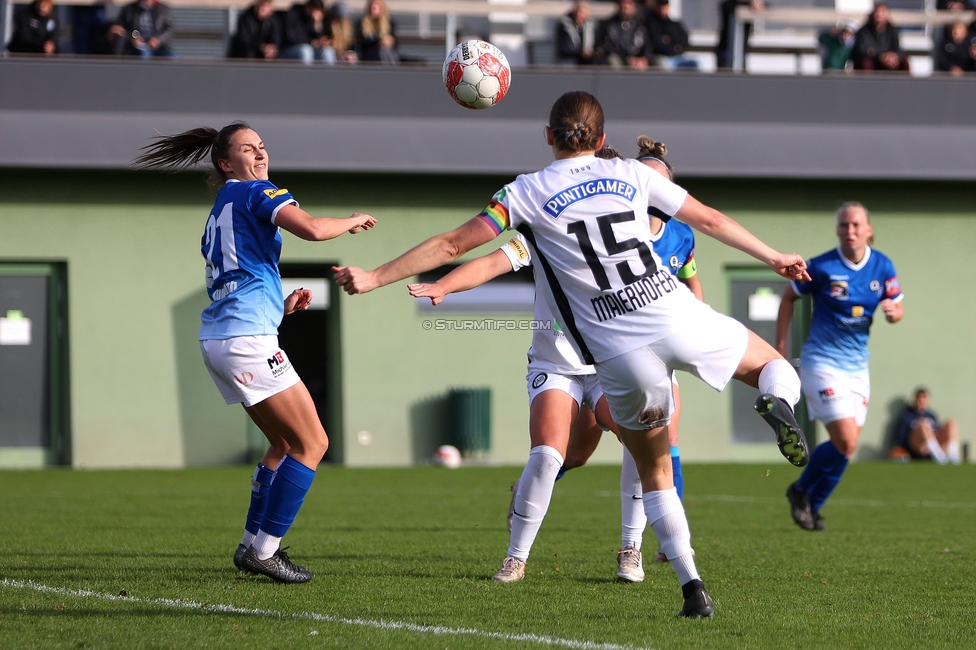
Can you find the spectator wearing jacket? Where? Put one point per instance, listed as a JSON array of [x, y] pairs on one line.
[[259, 33], [955, 55], [307, 34], [876, 46], [376, 34], [143, 28], [35, 30], [625, 42], [576, 35], [669, 38]]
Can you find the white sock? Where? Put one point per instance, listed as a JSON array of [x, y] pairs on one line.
[[779, 379], [955, 457], [633, 521], [935, 450], [248, 539], [532, 499], [667, 518], [265, 545]]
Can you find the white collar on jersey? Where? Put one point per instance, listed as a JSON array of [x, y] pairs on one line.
[[851, 265], [232, 180], [576, 161]]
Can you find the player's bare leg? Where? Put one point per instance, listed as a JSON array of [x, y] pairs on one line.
[[666, 514]]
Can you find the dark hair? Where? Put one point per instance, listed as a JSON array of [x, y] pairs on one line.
[[315, 4], [921, 390], [176, 152], [608, 153], [647, 149], [576, 121]]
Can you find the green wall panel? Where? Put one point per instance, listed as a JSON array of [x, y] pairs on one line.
[[141, 395]]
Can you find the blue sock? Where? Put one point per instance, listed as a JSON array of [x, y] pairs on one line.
[[822, 488], [821, 460], [679, 480], [562, 472], [287, 493], [260, 486]]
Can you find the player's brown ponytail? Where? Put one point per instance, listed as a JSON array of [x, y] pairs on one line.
[[576, 121], [648, 149], [176, 152]]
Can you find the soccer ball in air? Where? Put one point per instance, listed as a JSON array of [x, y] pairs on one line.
[[476, 74], [447, 456]]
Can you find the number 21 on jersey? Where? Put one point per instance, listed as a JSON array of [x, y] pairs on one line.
[[219, 247]]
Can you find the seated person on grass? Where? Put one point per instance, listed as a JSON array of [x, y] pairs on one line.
[[921, 435]]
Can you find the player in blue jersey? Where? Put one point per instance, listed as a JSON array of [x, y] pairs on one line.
[[239, 331], [847, 285]]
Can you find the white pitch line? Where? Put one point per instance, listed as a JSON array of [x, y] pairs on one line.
[[869, 503], [324, 618]]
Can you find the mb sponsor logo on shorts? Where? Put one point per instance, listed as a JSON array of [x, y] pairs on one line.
[[539, 379], [633, 296], [279, 364], [826, 394]]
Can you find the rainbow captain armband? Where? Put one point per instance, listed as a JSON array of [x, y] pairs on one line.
[[495, 215], [689, 270]]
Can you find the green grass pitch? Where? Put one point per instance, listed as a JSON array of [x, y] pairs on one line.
[[403, 559]]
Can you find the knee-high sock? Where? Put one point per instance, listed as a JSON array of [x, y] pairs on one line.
[[935, 451], [285, 498], [679, 479], [633, 521], [822, 474], [532, 499], [953, 450], [667, 517], [778, 378], [260, 486]]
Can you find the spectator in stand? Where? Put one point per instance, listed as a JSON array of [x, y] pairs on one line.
[[307, 35], [836, 45], [955, 55], [669, 38], [90, 29], [144, 28], [576, 35], [343, 34], [35, 30], [625, 41], [376, 34], [920, 434], [259, 33], [876, 46], [726, 10]]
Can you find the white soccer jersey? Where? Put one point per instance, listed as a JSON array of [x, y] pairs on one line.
[[586, 221], [551, 352]]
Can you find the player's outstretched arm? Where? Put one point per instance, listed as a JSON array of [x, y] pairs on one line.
[[467, 276], [715, 224], [436, 251], [784, 318], [303, 225]]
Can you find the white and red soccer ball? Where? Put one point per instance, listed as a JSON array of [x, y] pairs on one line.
[[447, 456], [477, 74]]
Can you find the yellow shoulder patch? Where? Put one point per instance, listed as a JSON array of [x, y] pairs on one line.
[[274, 193], [519, 249]]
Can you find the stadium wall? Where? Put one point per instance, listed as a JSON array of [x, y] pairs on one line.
[[140, 395]]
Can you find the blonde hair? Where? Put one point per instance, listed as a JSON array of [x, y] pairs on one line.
[[376, 27], [855, 205]]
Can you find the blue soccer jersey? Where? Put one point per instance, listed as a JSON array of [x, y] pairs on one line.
[[675, 245], [845, 296], [242, 245]]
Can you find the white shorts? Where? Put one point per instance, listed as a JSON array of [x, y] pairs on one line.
[[585, 389], [836, 395], [248, 369], [638, 384]]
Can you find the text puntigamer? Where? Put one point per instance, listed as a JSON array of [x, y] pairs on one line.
[[562, 199]]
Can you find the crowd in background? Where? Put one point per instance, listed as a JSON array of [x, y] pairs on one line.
[[639, 35], [307, 31]]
